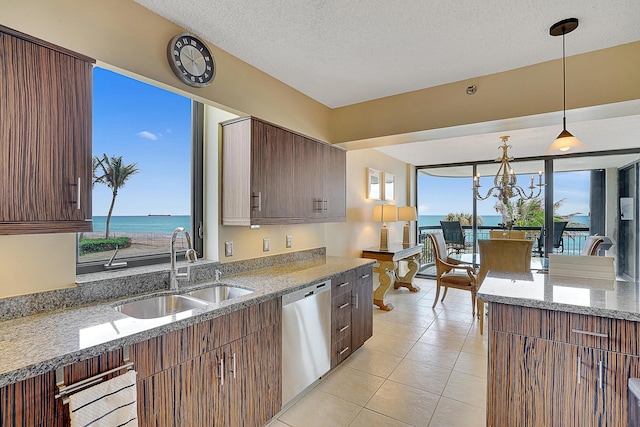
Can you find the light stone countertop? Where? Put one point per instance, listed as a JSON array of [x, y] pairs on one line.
[[35, 344], [603, 298]]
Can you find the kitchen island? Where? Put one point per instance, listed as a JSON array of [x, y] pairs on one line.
[[561, 350]]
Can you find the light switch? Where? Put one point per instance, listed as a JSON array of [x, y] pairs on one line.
[[289, 241], [265, 244], [228, 248]]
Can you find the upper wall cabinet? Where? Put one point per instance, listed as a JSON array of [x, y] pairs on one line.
[[45, 137], [271, 175]]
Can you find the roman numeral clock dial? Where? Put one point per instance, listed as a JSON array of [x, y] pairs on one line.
[[191, 60]]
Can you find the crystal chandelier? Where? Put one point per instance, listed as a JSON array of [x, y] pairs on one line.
[[505, 183]]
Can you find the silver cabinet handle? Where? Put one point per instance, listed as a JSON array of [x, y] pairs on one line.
[[343, 284], [356, 304], [346, 304], [344, 328], [221, 371], [592, 334], [343, 351], [258, 196], [79, 194], [233, 366], [600, 375], [579, 368], [364, 277]]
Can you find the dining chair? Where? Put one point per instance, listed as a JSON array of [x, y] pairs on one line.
[[510, 255], [507, 234], [453, 235], [449, 274], [591, 245]]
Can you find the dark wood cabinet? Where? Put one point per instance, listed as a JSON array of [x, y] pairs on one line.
[[45, 129], [351, 312], [221, 372], [271, 175], [558, 369]]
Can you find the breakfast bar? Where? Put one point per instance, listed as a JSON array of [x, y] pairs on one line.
[[561, 350]]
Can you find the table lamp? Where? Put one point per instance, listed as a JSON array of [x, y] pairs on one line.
[[406, 213], [384, 214]]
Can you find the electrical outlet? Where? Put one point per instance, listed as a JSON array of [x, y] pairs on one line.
[[228, 248], [265, 244], [289, 241]]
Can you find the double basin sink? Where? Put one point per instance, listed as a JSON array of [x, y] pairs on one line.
[[166, 305]]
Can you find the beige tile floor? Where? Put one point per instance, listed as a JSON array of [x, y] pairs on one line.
[[422, 367]]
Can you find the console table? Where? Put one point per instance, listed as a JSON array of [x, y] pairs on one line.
[[388, 267]]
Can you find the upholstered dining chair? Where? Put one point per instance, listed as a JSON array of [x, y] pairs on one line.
[[451, 273], [511, 255], [591, 245], [507, 234]]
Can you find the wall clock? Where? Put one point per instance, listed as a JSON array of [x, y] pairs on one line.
[[191, 60]]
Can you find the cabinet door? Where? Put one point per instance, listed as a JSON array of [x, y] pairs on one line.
[[335, 183], [362, 308], [309, 175], [271, 173], [45, 112], [617, 371], [254, 375]]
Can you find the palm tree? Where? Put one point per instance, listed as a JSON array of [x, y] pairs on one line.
[[111, 172]]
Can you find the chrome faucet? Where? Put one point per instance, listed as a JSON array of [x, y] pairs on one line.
[[190, 255]]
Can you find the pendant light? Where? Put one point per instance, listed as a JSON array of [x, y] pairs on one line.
[[565, 140]]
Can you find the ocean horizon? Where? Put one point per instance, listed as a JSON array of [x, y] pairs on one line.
[[143, 223], [488, 220]]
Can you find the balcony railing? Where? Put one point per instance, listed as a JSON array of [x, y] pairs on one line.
[[573, 239]]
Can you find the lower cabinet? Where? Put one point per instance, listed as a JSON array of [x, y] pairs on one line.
[[534, 381], [351, 312], [221, 372]]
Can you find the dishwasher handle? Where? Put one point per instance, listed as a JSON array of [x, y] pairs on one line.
[[307, 292]]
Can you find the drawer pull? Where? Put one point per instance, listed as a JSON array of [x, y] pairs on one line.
[[346, 304], [600, 375], [343, 284], [364, 277], [343, 351], [344, 328], [593, 334]]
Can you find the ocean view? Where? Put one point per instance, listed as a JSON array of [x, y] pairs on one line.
[[148, 224], [489, 220]]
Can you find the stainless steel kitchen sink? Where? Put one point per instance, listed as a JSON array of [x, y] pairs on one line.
[[160, 306], [219, 293]]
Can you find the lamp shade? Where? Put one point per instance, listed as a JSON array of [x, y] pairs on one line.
[[564, 142], [384, 213], [407, 213]]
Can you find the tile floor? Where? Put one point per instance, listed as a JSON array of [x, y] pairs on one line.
[[422, 367]]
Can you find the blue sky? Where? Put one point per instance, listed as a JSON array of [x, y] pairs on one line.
[[439, 196], [151, 127]]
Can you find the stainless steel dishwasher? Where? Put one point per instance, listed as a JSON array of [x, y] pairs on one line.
[[306, 338]]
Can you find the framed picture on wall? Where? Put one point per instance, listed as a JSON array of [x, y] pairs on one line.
[[374, 184], [389, 192]]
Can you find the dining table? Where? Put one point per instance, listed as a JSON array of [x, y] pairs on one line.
[[537, 263]]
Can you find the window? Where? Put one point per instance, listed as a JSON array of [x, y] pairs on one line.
[[146, 142]]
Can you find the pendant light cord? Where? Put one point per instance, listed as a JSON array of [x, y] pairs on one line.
[[564, 85]]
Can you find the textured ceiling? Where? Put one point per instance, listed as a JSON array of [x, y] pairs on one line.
[[341, 52]]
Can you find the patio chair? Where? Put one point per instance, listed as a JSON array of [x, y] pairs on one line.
[[591, 245], [453, 235], [558, 230], [511, 255], [446, 274]]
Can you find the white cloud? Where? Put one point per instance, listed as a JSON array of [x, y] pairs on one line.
[[148, 135]]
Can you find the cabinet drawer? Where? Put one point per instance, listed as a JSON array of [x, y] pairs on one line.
[[364, 274], [342, 349], [580, 329], [343, 283]]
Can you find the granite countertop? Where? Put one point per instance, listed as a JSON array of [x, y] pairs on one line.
[[604, 298], [35, 344]]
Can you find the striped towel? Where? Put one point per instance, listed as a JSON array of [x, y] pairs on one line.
[[109, 404]]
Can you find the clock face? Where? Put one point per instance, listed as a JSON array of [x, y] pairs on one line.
[[191, 60]]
